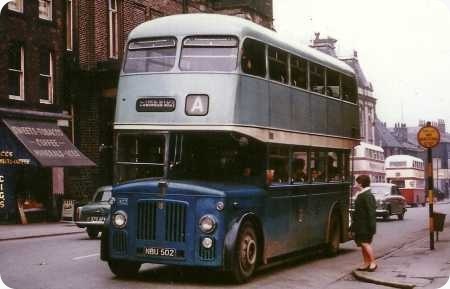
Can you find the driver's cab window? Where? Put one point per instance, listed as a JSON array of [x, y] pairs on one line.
[[395, 191]]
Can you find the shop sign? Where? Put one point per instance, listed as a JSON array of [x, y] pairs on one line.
[[2, 192], [7, 158], [68, 209]]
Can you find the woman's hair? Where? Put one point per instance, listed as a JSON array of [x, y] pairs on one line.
[[363, 180]]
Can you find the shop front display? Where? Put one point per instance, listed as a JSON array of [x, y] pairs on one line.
[[32, 157]]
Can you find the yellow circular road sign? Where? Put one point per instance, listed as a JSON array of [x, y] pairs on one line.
[[428, 136]]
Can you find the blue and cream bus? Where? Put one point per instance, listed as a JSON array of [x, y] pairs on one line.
[[231, 148]]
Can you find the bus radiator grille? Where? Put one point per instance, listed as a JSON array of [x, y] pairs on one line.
[[146, 229], [119, 242], [175, 222]]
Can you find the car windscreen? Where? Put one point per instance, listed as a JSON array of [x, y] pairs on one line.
[[209, 53], [151, 55], [103, 196]]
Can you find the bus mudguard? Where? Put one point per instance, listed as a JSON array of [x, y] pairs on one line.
[[232, 235]]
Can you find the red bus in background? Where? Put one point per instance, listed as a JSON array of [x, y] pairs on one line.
[[407, 172]]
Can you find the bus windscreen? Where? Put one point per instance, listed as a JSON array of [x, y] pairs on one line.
[[151, 55], [209, 54]]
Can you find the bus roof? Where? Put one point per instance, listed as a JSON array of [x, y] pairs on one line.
[[216, 24], [397, 158]]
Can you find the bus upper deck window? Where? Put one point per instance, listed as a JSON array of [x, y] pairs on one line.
[[348, 89], [278, 65], [151, 55], [317, 78], [209, 53], [333, 84], [253, 60], [299, 72]]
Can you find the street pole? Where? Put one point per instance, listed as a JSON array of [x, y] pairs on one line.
[[430, 195]]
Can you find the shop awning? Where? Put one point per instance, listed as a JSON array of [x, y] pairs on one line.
[[47, 143]]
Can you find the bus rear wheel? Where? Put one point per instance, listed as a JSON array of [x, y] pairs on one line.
[[246, 253], [334, 239], [124, 269]]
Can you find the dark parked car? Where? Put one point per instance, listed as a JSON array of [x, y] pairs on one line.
[[389, 200], [92, 216]]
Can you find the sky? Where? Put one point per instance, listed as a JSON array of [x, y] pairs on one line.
[[403, 47]]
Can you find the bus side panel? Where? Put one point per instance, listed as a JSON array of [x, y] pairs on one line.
[[280, 103], [318, 114], [252, 102], [301, 107], [351, 120], [335, 123]]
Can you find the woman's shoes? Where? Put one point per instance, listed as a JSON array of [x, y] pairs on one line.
[[365, 268], [372, 268], [368, 268]]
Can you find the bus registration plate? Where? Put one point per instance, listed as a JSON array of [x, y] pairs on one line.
[[163, 252]]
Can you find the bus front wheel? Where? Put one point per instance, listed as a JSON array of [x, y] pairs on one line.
[[246, 253], [124, 269]]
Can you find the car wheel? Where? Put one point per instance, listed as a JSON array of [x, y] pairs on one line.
[[246, 253], [334, 239], [92, 233], [124, 269]]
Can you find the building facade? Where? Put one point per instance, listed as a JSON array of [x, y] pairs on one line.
[[97, 31], [34, 121]]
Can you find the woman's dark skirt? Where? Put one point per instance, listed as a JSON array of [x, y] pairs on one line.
[[359, 239]]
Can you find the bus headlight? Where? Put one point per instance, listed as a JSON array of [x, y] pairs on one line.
[[207, 243], [119, 219], [207, 224]]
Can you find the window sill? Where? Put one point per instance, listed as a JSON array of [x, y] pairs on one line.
[[16, 97], [44, 101]]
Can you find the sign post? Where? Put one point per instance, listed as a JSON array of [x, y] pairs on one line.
[[429, 137]]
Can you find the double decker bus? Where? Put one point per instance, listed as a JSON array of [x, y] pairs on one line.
[[231, 148], [368, 159], [407, 172]]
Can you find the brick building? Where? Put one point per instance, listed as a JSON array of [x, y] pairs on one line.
[[33, 147], [97, 31]]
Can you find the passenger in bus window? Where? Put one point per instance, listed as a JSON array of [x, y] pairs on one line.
[[299, 175], [364, 224], [317, 176]]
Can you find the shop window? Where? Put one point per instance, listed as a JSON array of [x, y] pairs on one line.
[[113, 29], [278, 172], [69, 24], [16, 5], [45, 9], [333, 84], [16, 71], [253, 59], [45, 77], [299, 168], [299, 72], [278, 65], [317, 77]]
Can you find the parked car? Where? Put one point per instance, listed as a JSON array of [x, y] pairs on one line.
[[92, 216], [389, 200]]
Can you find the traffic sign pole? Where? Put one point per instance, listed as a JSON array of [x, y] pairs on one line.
[[429, 137], [430, 195]]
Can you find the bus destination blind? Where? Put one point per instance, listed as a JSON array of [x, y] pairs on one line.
[[155, 104]]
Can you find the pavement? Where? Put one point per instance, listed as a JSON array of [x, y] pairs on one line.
[[38, 230], [412, 266]]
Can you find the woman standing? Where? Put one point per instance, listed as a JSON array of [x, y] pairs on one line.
[[364, 222]]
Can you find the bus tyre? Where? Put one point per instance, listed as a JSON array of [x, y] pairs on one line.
[[124, 269], [334, 239], [246, 253], [92, 233]]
